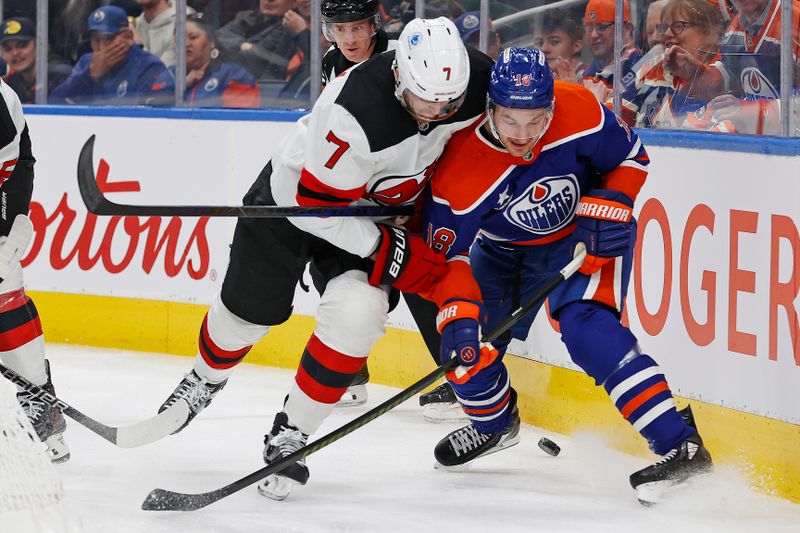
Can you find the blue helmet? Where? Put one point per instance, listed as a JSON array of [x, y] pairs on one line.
[[521, 79]]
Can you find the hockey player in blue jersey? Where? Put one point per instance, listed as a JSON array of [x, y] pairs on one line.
[[545, 168]]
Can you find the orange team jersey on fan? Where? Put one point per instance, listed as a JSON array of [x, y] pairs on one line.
[[479, 187]]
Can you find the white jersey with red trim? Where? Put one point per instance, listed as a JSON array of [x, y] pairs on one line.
[[12, 124], [360, 146]]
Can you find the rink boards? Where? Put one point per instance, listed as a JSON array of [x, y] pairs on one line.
[[712, 296]]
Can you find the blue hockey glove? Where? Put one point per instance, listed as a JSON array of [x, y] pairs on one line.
[[605, 224], [457, 321]]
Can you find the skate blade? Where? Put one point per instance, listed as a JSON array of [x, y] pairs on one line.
[[465, 466], [276, 488], [353, 397], [513, 441], [57, 449], [444, 413], [653, 493], [454, 468]]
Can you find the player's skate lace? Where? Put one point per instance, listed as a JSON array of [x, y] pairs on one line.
[[33, 409], [288, 441], [673, 452], [196, 391], [466, 439]]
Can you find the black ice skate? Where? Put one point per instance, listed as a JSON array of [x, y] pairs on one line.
[[679, 465], [196, 392], [440, 406], [47, 421], [283, 440], [356, 393], [465, 444]]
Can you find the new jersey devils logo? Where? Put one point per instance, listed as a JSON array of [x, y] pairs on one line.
[[398, 190], [546, 206]]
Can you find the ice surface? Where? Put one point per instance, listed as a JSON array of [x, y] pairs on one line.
[[380, 478]]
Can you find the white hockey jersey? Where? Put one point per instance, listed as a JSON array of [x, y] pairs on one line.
[[360, 146]]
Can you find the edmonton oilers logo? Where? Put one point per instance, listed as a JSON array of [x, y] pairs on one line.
[[211, 85], [122, 88], [755, 83], [99, 16], [546, 206]]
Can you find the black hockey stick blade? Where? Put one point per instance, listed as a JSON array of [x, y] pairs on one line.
[[167, 500], [98, 204], [144, 432]]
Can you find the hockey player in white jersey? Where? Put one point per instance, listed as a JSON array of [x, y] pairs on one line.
[[372, 138], [21, 337]]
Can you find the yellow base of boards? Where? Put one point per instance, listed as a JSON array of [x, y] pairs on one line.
[[553, 398]]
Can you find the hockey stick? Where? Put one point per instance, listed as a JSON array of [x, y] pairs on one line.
[[166, 500], [99, 205], [138, 434]]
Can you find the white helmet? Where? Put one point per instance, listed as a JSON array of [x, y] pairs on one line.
[[431, 61]]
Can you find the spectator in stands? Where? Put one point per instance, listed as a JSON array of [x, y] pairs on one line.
[[652, 35], [598, 23], [443, 8], [468, 25], [18, 43], [745, 84], [155, 29], [259, 41], [115, 72], [298, 22], [69, 32], [689, 27], [210, 82], [562, 44]]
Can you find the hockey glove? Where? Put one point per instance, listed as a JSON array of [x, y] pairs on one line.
[[605, 224], [406, 262], [458, 324]]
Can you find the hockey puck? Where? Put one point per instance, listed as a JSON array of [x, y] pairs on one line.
[[549, 447]]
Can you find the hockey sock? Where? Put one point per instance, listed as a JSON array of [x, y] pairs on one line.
[[214, 362], [21, 336], [323, 376], [607, 351], [486, 398], [223, 342], [640, 391]]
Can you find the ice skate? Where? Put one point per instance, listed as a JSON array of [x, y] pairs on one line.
[[440, 406], [463, 445], [689, 460], [47, 420], [196, 392], [356, 393], [283, 440]]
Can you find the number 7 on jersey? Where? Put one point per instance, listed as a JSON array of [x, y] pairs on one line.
[[341, 148]]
